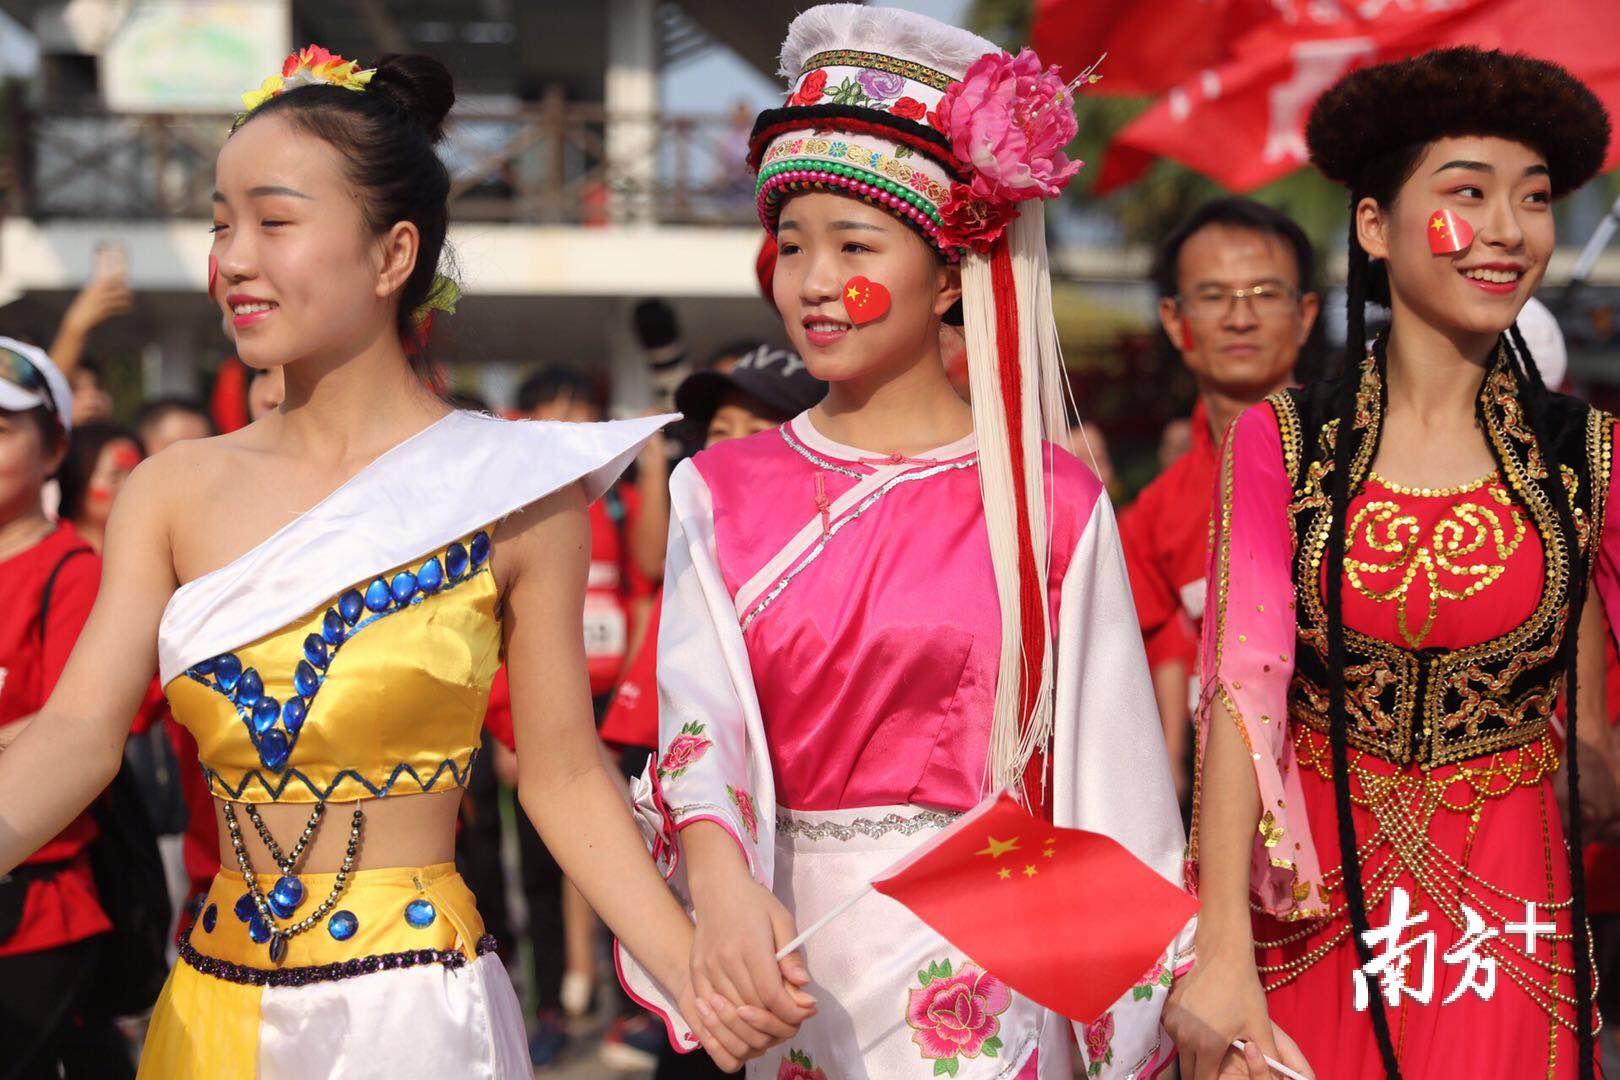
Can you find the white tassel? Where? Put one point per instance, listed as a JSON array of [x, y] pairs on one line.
[[1013, 743], [905, 35]]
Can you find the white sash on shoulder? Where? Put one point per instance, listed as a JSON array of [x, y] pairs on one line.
[[461, 472]]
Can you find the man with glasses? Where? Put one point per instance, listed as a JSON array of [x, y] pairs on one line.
[[1236, 302]]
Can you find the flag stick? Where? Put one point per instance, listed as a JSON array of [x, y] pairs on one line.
[[1276, 1066], [848, 903]]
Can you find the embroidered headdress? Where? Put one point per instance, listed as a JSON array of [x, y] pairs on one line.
[[960, 141]]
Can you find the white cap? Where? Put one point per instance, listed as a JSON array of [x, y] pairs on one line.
[[1546, 341], [20, 397]]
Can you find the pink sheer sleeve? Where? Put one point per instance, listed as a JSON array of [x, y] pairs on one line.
[[1607, 571], [1248, 655]]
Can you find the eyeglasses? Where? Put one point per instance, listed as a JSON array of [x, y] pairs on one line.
[[1268, 299], [17, 369]]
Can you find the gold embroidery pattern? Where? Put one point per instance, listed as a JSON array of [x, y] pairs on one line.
[[1402, 805], [1449, 706], [1395, 548]]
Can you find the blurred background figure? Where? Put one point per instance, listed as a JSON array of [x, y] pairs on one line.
[[1088, 443], [265, 391], [1174, 440], [1238, 304], [92, 401], [105, 296], [99, 459], [161, 423]]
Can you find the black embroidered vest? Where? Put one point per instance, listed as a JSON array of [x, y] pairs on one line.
[[1433, 706]]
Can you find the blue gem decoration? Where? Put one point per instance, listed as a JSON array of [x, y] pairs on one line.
[[227, 669], [377, 596], [286, 896], [258, 929], [265, 711], [273, 749], [431, 576], [403, 587], [292, 715], [210, 918], [455, 561], [342, 925], [260, 712], [249, 688], [244, 907], [305, 681], [420, 913]]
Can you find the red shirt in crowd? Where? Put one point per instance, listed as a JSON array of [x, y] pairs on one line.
[[1165, 534], [63, 908]]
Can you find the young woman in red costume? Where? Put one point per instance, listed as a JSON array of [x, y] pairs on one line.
[[1405, 575]]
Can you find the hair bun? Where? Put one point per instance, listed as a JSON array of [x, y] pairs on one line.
[[420, 86]]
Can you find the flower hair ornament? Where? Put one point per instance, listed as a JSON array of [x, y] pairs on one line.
[[314, 65], [962, 142]]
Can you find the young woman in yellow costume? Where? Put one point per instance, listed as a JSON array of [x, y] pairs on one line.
[[327, 594]]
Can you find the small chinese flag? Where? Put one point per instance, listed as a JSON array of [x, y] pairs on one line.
[[1068, 918], [1449, 233]]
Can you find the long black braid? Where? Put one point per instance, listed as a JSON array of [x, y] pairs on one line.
[[1356, 288], [1365, 281], [1536, 399]]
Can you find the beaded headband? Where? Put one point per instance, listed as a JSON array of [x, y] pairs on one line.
[[950, 155]]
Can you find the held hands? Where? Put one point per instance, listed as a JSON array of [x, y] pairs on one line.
[[1220, 1000], [743, 1002]]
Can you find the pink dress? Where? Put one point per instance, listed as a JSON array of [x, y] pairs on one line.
[[1433, 573], [827, 670]]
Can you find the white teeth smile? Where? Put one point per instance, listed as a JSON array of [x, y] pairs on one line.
[[1497, 277], [250, 309], [826, 327]]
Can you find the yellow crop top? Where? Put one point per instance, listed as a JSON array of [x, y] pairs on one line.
[[381, 691]]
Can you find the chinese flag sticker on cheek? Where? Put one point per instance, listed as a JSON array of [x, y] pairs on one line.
[[1448, 233], [865, 300], [1068, 918]]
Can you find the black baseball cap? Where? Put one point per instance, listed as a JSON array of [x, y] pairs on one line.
[[773, 376]]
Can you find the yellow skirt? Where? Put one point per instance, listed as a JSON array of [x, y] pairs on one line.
[[397, 980]]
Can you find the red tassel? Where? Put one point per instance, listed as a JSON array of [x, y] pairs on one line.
[[1031, 618]]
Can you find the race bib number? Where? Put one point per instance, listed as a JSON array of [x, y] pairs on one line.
[[606, 629]]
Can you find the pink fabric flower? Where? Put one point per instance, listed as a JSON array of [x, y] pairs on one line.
[[1009, 120], [957, 1014], [1100, 1037], [684, 750]]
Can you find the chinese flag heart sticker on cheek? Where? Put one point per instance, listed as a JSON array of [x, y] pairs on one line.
[[865, 300], [1448, 233]]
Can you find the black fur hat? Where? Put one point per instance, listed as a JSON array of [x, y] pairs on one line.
[[1377, 111]]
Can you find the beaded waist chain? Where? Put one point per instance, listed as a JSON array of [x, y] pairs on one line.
[[395, 917]]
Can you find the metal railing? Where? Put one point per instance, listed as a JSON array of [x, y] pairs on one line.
[[553, 162]]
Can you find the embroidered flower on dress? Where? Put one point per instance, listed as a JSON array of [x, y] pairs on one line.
[[810, 90], [1158, 976], [798, 1066], [1009, 119], [745, 807], [881, 86], [684, 751], [955, 1015], [1099, 1039]]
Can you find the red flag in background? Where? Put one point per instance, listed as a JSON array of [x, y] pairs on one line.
[[1151, 44], [1068, 918], [1238, 114]]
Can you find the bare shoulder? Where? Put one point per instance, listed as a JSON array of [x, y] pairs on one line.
[[545, 532]]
